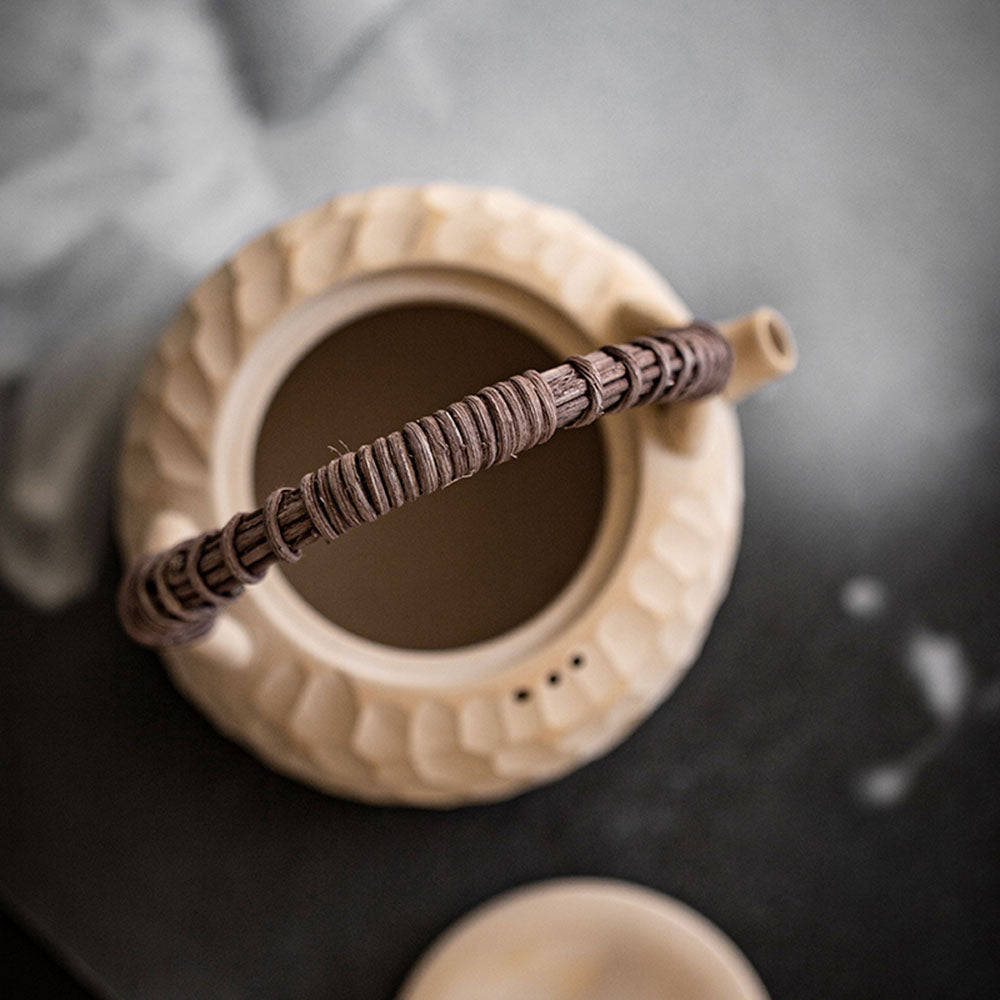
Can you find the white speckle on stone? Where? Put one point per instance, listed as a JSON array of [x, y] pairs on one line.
[[885, 786], [864, 597], [937, 664]]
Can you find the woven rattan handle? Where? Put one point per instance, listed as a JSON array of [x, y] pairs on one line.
[[173, 596]]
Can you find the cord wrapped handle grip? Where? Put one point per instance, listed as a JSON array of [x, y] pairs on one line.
[[172, 597]]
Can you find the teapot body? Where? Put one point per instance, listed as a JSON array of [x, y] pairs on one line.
[[345, 712]]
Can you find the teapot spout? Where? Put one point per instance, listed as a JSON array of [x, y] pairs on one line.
[[763, 350]]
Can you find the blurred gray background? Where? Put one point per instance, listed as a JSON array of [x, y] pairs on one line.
[[836, 160]]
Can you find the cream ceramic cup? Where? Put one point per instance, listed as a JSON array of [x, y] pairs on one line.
[[584, 939]]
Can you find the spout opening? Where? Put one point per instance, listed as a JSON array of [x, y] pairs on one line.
[[776, 340], [763, 350]]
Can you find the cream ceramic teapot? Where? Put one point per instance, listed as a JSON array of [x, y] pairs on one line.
[[492, 636]]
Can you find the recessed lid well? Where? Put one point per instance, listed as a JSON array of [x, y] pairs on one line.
[[463, 565]]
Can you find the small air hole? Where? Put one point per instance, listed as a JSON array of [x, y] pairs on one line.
[[554, 679], [522, 694], [577, 661]]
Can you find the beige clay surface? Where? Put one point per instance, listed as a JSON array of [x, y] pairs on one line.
[[535, 664]]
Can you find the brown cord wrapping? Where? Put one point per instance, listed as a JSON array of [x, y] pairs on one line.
[[633, 376], [172, 597], [587, 370]]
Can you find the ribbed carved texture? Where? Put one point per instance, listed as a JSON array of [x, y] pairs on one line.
[[172, 597]]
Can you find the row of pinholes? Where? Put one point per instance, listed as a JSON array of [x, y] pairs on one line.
[[577, 662]]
